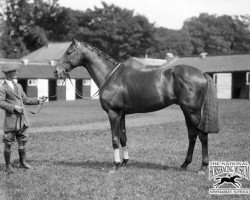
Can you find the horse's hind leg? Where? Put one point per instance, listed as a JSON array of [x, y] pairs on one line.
[[192, 136], [123, 140], [204, 144]]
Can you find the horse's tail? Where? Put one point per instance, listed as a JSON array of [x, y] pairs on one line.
[[209, 122]]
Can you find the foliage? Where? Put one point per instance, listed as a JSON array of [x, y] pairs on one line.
[[56, 21], [219, 35], [116, 31], [20, 33], [34, 37], [12, 46], [27, 25], [171, 41]]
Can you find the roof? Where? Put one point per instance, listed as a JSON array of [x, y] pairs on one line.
[[41, 70], [52, 51], [144, 63], [226, 63]]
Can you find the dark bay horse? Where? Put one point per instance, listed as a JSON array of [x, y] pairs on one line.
[[126, 90]]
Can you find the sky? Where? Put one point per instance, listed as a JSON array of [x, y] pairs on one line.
[[168, 13]]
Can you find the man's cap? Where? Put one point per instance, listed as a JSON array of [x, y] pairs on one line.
[[9, 67]]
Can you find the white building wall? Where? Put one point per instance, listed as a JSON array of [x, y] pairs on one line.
[[224, 85], [42, 87], [70, 89], [93, 89]]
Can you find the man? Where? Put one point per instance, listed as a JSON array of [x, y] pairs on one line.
[[12, 100]]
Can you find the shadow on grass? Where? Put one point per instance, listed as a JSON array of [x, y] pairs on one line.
[[15, 164], [105, 165]]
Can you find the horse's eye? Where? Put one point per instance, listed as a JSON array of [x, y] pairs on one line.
[[70, 51]]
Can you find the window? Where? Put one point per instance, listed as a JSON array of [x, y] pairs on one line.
[[248, 78], [60, 82], [86, 82], [215, 77], [32, 82]]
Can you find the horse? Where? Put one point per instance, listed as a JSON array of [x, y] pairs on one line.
[[229, 179], [125, 90]]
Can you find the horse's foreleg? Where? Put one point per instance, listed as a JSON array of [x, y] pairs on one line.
[[114, 119], [192, 136], [204, 144], [123, 140]]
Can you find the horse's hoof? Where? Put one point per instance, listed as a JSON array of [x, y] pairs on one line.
[[123, 165], [125, 161], [183, 167], [117, 165]]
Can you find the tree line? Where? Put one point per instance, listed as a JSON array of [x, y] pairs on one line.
[[27, 25]]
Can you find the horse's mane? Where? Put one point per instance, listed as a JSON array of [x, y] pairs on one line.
[[99, 53]]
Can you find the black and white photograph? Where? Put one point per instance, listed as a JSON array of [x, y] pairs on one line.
[[124, 99]]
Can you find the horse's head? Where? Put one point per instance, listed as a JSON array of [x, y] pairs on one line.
[[237, 176], [70, 60]]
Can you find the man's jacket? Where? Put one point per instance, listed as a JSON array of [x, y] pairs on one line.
[[14, 121]]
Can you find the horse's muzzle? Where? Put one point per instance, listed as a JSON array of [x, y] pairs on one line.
[[62, 74]]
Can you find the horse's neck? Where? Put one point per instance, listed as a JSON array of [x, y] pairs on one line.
[[99, 70]]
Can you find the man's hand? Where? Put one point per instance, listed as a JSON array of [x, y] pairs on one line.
[[42, 99], [19, 109]]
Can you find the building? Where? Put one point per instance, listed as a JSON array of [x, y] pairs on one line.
[[53, 52], [231, 73], [36, 75], [37, 79]]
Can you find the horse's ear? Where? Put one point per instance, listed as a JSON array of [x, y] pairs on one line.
[[74, 41]]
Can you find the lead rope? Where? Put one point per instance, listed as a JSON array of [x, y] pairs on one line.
[[79, 93], [41, 104]]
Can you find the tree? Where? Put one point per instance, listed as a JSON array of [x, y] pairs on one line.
[[20, 32], [57, 22], [177, 42], [12, 47], [241, 42], [34, 37], [116, 31], [218, 35]]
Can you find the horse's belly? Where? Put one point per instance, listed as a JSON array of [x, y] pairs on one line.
[[143, 105]]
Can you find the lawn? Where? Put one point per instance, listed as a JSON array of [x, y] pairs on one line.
[[76, 163]]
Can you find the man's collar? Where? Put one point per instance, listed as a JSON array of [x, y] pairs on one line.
[[9, 81]]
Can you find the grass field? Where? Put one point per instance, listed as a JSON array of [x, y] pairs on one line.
[[70, 148]]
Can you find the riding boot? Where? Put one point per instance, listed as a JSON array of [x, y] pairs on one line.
[[7, 154], [22, 156]]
